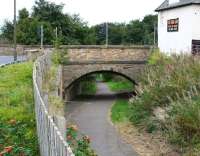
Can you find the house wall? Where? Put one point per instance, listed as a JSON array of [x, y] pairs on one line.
[[196, 22], [189, 28]]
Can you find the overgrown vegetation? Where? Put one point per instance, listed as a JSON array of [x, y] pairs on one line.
[[59, 56], [50, 82], [172, 84], [79, 143], [17, 119]]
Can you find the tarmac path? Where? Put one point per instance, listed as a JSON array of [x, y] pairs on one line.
[[92, 118]]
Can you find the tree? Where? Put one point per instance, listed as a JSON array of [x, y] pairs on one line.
[[7, 30], [28, 31], [23, 13], [149, 23], [134, 32], [100, 33], [116, 32], [49, 12], [73, 30]]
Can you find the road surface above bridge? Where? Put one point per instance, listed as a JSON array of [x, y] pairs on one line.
[[92, 118]]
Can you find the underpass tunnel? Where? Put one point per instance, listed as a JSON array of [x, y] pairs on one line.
[[90, 85], [89, 102]]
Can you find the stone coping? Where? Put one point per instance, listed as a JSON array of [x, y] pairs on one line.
[[103, 62], [86, 46]]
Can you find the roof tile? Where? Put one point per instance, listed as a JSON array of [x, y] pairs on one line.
[[166, 6]]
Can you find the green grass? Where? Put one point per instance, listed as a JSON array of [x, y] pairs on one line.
[[17, 119], [120, 111], [123, 85]]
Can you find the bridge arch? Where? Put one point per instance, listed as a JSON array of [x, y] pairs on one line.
[[101, 72], [73, 73]]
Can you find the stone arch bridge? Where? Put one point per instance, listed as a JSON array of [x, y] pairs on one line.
[[127, 61], [81, 61]]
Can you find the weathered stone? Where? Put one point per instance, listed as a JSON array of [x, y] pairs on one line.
[[108, 54], [125, 61]]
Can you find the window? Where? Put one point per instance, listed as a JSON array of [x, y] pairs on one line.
[[173, 25], [196, 47]]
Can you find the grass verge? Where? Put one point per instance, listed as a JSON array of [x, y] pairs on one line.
[[117, 86], [17, 119], [120, 111]]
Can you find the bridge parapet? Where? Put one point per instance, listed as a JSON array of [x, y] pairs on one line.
[[110, 53]]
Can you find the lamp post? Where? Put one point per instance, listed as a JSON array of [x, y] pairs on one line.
[[154, 38], [42, 36], [106, 34], [15, 33]]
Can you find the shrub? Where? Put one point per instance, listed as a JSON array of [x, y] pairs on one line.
[[60, 56], [184, 119], [138, 113], [88, 85], [157, 58]]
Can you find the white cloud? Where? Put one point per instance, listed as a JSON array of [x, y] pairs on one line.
[[93, 11]]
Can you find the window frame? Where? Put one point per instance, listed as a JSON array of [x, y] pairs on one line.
[[173, 25]]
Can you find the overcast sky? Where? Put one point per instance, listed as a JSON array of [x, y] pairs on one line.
[[92, 11]]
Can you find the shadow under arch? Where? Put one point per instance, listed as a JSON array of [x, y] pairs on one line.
[[100, 72]]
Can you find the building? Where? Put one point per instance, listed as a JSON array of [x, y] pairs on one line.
[[179, 26]]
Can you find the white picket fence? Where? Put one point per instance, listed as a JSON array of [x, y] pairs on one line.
[[51, 140]]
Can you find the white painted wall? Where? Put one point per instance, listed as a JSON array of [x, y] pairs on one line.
[[196, 22], [189, 28]]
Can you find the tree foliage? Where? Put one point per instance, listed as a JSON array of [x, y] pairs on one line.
[[72, 29]]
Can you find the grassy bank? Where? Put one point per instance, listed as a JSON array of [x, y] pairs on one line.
[[17, 120], [172, 85], [168, 102]]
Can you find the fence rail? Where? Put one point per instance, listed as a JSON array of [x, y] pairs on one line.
[[50, 139]]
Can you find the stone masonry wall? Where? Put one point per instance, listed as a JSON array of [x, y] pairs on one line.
[[115, 53]]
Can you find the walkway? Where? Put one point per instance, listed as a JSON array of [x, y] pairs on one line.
[[92, 118]]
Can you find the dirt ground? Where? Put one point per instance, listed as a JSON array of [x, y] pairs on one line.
[[145, 144]]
